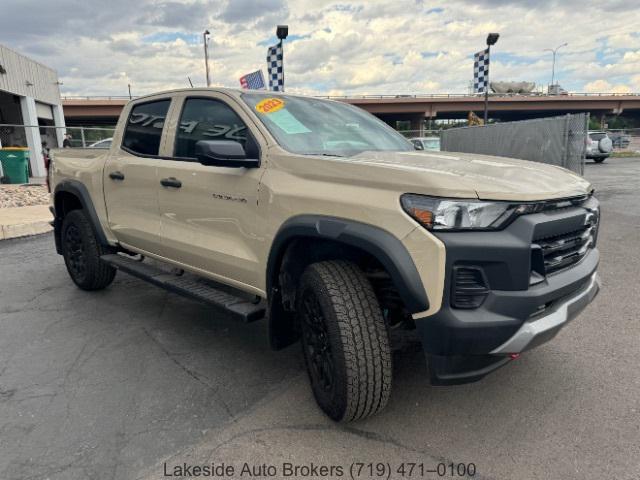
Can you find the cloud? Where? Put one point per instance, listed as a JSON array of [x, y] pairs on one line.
[[343, 47], [185, 15], [251, 10], [600, 86]]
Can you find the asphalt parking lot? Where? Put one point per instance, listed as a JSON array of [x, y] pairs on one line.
[[119, 383]]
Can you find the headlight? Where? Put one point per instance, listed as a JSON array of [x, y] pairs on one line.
[[451, 214]]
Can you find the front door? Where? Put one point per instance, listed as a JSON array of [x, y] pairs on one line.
[[208, 214], [130, 177]]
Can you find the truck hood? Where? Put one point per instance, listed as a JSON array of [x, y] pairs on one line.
[[468, 175]]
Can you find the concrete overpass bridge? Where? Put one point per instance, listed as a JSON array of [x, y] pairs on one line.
[[86, 111]]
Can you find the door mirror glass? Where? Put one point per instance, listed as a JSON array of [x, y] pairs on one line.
[[418, 145], [223, 153]]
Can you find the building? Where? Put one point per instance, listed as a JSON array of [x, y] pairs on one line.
[[29, 103]]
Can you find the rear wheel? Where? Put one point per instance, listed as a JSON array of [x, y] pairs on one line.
[[599, 159], [82, 251], [345, 341]]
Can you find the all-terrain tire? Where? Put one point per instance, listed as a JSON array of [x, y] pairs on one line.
[[81, 251], [345, 341]]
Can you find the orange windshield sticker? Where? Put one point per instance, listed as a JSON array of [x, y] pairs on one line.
[[269, 105]]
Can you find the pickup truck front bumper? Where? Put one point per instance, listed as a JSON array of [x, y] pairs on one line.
[[540, 330], [520, 305]]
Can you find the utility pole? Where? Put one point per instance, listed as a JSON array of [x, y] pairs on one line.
[[492, 38], [205, 37], [553, 64]]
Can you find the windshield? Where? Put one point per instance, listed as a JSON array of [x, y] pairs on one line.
[[311, 126], [432, 144]]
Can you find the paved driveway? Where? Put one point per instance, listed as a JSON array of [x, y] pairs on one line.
[[130, 381]]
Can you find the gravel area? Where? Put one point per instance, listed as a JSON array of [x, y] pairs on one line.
[[23, 195]]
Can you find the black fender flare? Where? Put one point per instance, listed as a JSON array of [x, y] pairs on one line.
[[379, 243], [77, 189]]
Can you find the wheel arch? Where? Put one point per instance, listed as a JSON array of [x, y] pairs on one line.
[[318, 237], [73, 195]]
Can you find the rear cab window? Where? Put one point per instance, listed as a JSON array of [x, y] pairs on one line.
[[143, 131]]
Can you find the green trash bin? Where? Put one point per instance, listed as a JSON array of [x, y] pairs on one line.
[[15, 164]]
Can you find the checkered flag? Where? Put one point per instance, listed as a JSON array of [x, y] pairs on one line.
[[480, 71], [275, 68]]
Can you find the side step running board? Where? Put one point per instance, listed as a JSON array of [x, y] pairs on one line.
[[189, 286]]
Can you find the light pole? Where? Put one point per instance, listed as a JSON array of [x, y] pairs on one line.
[[492, 38], [205, 37], [553, 64]]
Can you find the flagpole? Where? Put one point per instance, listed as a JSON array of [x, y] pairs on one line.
[[492, 38], [206, 56], [282, 31], [282, 50], [486, 89]]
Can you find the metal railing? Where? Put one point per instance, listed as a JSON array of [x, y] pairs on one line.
[[478, 95], [98, 97], [400, 96], [14, 135], [625, 141]]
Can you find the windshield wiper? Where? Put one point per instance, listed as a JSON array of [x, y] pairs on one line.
[[326, 154]]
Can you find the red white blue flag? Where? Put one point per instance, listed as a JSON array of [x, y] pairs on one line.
[[253, 80]]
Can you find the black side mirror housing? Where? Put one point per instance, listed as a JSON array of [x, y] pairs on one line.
[[417, 146], [224, 153]]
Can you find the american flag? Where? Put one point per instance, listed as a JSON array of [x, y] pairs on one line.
[[253, 80]]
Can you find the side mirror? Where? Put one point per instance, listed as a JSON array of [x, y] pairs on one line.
[[224, 153], [418, 146]]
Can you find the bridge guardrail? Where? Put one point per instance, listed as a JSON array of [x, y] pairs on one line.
[[400, 96]]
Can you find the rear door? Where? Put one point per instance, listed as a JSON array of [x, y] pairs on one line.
[[131, 176], [209, 222]]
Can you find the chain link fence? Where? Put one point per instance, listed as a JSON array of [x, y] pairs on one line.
[[419, 133], [556, 140], [15, 135], [625, 141]]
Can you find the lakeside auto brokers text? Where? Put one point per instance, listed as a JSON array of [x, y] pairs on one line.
[[355, 470]]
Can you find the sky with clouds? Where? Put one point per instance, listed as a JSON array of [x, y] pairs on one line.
[[334, 48]]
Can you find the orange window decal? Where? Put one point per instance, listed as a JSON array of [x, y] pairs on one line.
[[269, 105]]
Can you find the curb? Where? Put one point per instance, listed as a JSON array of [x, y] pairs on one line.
[[24, 229]]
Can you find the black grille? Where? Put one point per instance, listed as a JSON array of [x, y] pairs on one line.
[[566, 249]]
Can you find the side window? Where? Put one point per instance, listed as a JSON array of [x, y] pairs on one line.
[[207, 119], [144, 127]]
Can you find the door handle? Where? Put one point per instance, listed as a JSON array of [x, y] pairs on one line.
[[171, 182], [116, 175]]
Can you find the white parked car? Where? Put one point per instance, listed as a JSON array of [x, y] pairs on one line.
[[599, 146], [106, 143], [426, 143]]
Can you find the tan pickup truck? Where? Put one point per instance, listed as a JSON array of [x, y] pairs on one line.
[[321, 218]]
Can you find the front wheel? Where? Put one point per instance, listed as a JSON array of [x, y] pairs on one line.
[[82, 252], [599, 159], [345, 341]]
